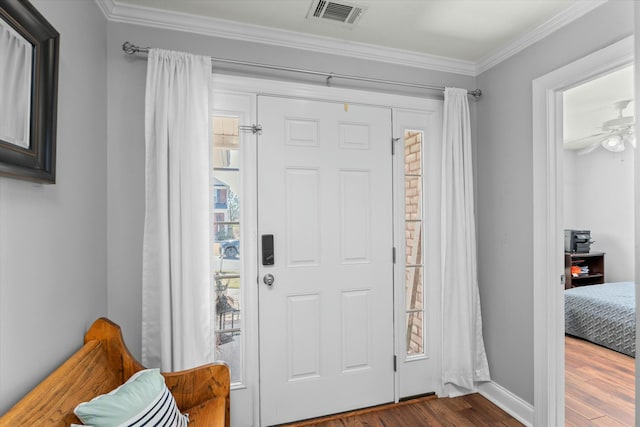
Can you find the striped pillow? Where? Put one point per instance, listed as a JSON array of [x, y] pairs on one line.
[[143, 400]]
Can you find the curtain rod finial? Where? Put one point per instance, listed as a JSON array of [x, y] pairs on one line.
[[132, 49], [476, 93], [128, 48]]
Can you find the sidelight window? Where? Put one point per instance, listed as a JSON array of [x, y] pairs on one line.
[[227, 251], [413, 228]]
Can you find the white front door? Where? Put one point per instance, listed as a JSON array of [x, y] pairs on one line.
[[325, 195]]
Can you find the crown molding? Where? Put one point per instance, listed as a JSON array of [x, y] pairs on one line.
[[105, 6], [573, 12], [146, 16], [151, 17]]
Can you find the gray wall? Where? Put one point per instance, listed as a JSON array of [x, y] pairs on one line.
[[598, 194], [505, 187], [53, 277], [126, 77]]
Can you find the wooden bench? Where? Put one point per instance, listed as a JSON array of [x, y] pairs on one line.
[[104, 363]]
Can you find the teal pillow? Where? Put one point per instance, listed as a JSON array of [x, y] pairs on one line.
[[143, 400]]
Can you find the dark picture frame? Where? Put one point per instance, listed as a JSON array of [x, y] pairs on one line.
[[37, 162]]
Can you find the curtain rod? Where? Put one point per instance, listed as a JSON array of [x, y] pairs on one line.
[[132, 49]]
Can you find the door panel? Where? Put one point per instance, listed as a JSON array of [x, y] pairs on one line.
[[325, 193], [302, 217]]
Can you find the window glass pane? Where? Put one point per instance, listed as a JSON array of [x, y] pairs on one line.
[[227, 251], [412, 152], [413, 288], [413, 197], [414, 333], [229, 351], [413, 239], [226, 132]]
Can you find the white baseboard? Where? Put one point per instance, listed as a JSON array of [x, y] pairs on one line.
[[508, 402]]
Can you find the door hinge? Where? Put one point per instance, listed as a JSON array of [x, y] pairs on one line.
[[254, 129], [393, 145], [563, 279], [393, 255], [395, 363]]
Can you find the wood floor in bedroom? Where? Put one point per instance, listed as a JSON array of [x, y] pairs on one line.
[[599, 385]]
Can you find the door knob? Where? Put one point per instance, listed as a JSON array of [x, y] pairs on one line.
[[268, 279]]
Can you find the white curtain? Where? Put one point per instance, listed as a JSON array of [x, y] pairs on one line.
[[464, 360], [15, 86], [177, 303]]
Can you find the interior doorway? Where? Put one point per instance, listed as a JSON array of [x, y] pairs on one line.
[[599, 308], [549, 364]]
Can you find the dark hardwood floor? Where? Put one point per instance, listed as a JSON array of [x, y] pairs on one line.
[[599, 385], [466, 411]]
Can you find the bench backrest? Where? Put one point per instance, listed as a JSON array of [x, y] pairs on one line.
[[83, 376], [101, 365]]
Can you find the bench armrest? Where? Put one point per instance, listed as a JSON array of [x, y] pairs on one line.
[[190, 387], [195, 386]]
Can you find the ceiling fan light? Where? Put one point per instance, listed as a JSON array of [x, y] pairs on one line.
[[613, 144]]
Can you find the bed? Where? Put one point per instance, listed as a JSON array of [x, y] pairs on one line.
[[603, 314]]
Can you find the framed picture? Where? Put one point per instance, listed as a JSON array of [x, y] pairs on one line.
[[29, 55]]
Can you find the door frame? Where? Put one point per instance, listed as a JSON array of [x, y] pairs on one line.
[[548, 214], [258, 86]]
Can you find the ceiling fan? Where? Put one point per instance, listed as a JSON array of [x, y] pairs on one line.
[[616, 134]]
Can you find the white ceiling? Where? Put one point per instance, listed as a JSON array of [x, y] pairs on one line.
[[475, 32], [463, 29], [587, 106]]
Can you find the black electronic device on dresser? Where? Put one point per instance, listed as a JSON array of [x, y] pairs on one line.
[[577, 241]]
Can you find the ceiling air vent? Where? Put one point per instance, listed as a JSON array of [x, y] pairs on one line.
[[341, 12]]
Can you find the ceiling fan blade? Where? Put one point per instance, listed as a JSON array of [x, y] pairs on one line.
[[588, 149], [580, 143]]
